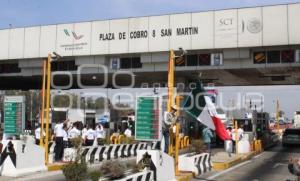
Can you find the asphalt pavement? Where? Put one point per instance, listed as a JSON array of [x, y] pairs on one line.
[[270, 165]]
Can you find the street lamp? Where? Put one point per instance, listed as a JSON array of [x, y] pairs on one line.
[[175, 152], [48, 75], [82, 99]]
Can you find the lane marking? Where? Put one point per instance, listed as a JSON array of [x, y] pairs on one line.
[[279, 164], [234, 167], [261, 154], [228, 170]]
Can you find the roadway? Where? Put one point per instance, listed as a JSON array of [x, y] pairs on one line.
[[271, 165]]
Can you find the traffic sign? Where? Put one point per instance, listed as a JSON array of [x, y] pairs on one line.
[[14, 114], [148, 123]]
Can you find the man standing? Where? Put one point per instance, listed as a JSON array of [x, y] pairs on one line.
[[37, 136], [90, 136], [128, 132], [207, 136], [100, 134], [170, 120], [59, 141]]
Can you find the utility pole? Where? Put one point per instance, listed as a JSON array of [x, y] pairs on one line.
[[277, 115]]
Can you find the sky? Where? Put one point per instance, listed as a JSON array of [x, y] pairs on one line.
[[23, 13]]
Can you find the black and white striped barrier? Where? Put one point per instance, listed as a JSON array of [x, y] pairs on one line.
[[147, 175], [93, 154], [196, 163]]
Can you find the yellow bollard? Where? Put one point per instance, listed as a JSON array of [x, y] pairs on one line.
[[181, 145], [112, 139], [120, 139], [186, 141]]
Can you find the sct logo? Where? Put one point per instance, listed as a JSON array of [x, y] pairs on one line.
[[226, 21], [74, 34]]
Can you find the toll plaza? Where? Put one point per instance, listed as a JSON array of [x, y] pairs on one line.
[[173, 130]]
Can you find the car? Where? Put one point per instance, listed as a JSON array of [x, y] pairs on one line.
[[291, 136]]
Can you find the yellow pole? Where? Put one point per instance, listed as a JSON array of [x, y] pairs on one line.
[[236, 137], [177, 139], [171, 81], [43, 103], [47, 107], [170, 96], [177, 142], [277, 115]]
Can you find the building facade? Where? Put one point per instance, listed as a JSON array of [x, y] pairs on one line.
[[246, 46]]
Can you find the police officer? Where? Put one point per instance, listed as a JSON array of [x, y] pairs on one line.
[[169, 120], [59, 141]]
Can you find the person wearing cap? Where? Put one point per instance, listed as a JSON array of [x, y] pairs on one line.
[[170, 119]]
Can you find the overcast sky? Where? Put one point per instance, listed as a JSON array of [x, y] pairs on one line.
[[20, 13]]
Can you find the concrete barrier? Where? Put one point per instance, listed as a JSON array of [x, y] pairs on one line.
[[147, 175], [94, 154], [20, 158], [198, 163]]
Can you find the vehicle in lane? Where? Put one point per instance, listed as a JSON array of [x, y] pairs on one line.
[[291, 136]]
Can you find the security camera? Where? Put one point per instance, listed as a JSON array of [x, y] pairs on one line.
[[57, 55], [182, 51]]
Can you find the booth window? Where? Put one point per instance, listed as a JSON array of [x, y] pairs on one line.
[[125, 63], [9, 68], [62, 65], [192, 60], [287, 56], [136, 62], [204, 59], [273, 56], [130, 62]]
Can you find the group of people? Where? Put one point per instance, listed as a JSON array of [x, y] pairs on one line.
[[65, 132]]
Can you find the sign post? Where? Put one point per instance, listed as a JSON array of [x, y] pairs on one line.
[[14, 115], [148, 124]]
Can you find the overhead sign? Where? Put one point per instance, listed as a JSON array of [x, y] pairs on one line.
[[148, 124], [232, 28], [14, 114]]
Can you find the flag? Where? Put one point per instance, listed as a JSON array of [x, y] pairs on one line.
[[200, 106]]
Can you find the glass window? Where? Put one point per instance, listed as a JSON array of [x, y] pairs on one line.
[[204, 59], [136, 62], [192, 60], [9, 68], [288, 56], [125, 63], [63, 65], [273, 56], [259, 57]]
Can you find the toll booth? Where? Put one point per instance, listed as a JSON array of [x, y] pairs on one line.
[[255, 126]]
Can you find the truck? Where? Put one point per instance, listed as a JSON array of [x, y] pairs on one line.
[[297, 119]]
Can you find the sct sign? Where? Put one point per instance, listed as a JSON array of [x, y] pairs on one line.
[[14, 114], [148, 124]]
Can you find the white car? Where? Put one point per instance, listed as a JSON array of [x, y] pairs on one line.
[[291, 136]]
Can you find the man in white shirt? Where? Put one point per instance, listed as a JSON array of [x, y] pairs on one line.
[[74, 132], [37, 135], [100, 134], [128, 132], [90, 136], [59, 142], [83, 133]]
